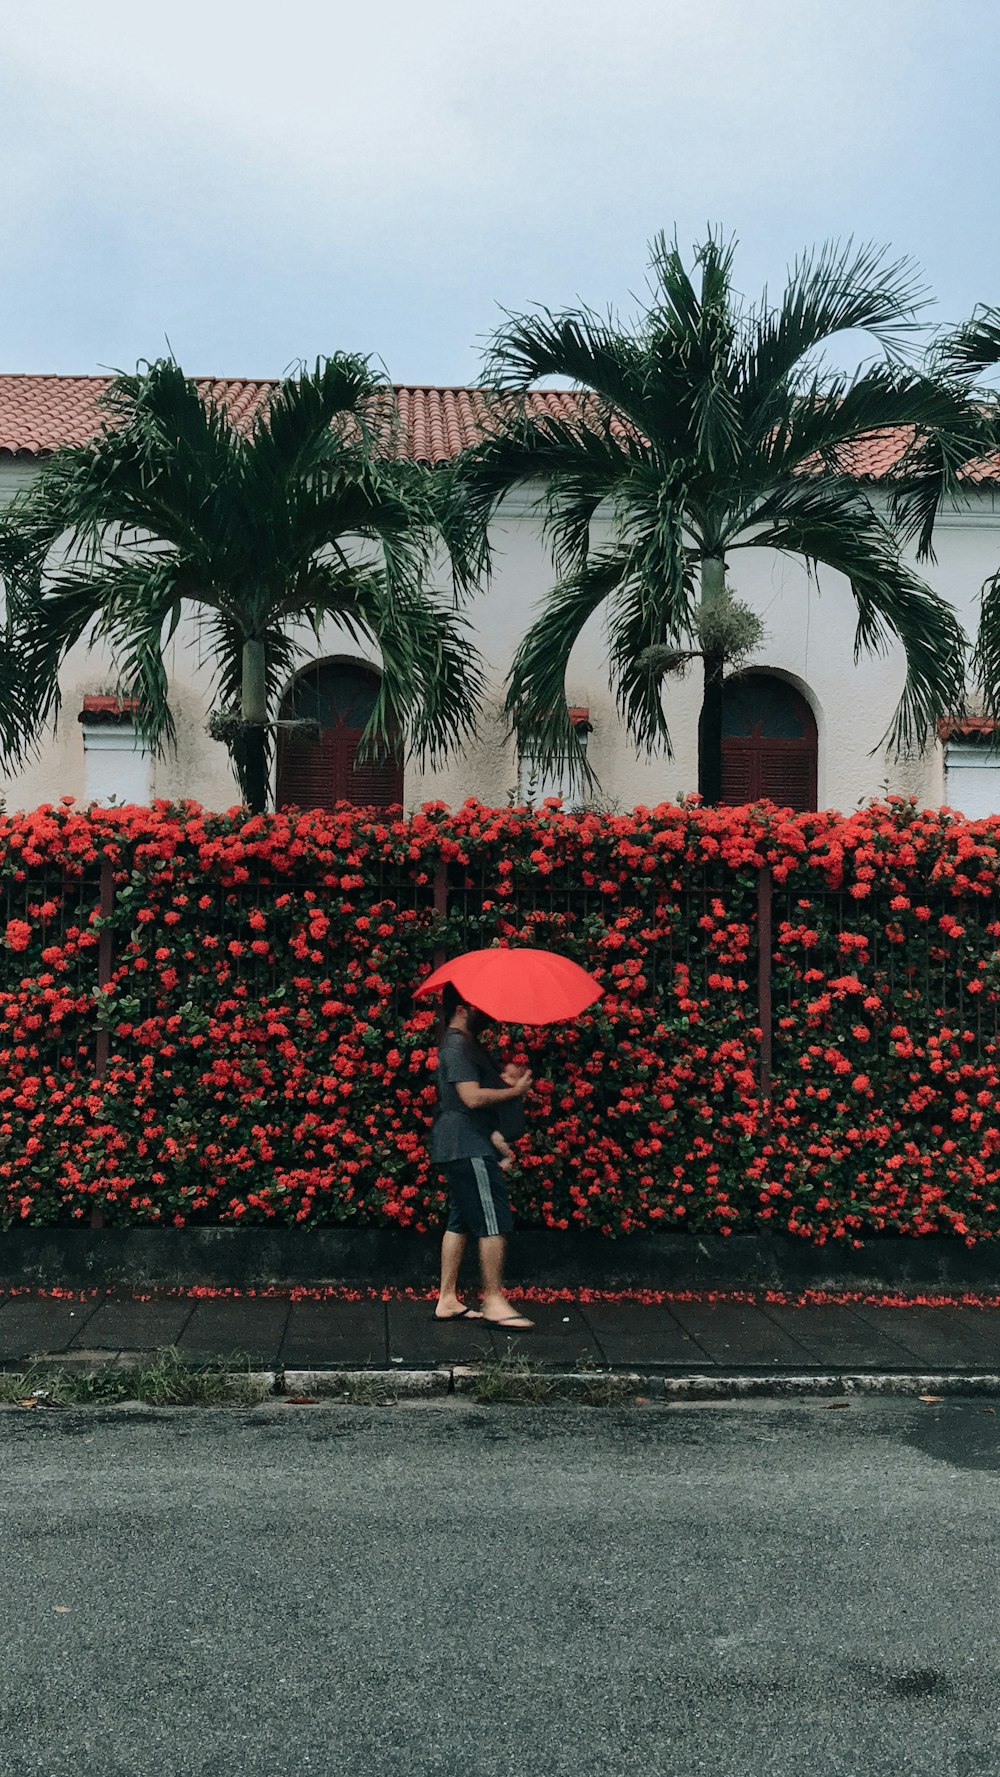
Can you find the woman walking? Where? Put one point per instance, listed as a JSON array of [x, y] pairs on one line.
[[479, 1105]]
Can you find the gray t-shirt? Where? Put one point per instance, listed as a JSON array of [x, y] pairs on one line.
[[458, 1133]]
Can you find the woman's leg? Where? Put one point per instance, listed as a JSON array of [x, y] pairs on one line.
[[452, 1253], [496, 1307]]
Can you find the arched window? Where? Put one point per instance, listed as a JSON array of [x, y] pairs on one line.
[[769, 743], [320, 771]]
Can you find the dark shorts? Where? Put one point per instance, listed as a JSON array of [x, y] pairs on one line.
[[478, 1193]]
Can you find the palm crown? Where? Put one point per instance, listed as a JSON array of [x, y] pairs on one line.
[[712, 427], [306, 516], [965, 356]]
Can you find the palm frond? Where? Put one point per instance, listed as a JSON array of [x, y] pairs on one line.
[[592, 352], [308, 419], [432, 678], [689, 334], [134, 605], [536, 696], [19, 721], [166, 460], [843, 533], [453, 518], [969, 351], [820, 431], [941, 463], [50, 625], [836, 289], [986, 654], [578, 463], [652, 609]]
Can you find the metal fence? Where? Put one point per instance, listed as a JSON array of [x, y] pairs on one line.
[[926, 977], [84, 933]]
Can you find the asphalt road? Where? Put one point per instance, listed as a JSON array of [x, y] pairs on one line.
[[761, 1590]]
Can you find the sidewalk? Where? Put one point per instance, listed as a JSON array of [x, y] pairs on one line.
[[675, 1338]]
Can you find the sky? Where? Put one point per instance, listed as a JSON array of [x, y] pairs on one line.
[[254, 184]]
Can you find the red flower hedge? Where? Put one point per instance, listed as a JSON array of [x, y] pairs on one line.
[[266, 1061]]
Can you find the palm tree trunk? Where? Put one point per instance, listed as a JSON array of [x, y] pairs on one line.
[[253, 712], [713, 591]]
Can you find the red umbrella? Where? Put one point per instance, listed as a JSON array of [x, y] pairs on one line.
[[518, 986]]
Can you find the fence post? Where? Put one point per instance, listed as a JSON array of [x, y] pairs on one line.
[[440, 902], [105, 970], [765, 885]]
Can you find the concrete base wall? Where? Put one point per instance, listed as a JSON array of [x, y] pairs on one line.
[[254, 1257]]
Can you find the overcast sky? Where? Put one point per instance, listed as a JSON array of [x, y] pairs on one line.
[[262, 182]]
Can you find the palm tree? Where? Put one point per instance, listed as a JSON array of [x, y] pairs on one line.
[[308, 514], [713, 426], [964, 356]]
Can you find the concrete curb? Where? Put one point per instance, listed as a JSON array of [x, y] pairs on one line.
[[794, 1386], [379, 1388], [329, 1384], [583, 1384]]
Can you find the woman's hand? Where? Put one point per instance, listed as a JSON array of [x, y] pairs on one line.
[[519, 1078]]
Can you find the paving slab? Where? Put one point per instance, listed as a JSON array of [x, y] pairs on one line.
[[560, 1336], [134, 1326], [245, 1328], [415, 1337], [982, 1325], [732, 1332], [836, 1336], [925, 1335], [327, 1333], [645, 1335], [29, 1325]]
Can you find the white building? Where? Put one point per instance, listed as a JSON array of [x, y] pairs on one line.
[[805, 724]]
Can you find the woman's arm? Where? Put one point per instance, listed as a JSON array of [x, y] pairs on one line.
[[476, 1098]]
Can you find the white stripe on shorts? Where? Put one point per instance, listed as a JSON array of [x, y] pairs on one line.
[[481, 1171]]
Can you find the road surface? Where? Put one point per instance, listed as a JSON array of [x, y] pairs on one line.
[[756, 1590]]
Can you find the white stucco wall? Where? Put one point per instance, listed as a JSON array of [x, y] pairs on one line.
[[810, 625], [810, 631]]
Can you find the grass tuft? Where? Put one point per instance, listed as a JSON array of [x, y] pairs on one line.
[[166, 1380], [514, 1378], [357, 1389]]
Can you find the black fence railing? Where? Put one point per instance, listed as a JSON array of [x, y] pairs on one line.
[[87, 937]]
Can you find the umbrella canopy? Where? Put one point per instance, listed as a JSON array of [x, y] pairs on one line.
[[518, 986]]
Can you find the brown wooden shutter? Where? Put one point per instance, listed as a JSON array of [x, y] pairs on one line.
[[769, 746], [306, 773], [737, 774], [376, 784], [320, 773], [788, 775], [338, 696]]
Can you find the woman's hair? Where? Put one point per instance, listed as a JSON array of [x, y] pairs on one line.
[[451, 999]]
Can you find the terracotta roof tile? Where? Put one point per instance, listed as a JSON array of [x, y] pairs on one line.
[[966, 727], [40, 413]]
